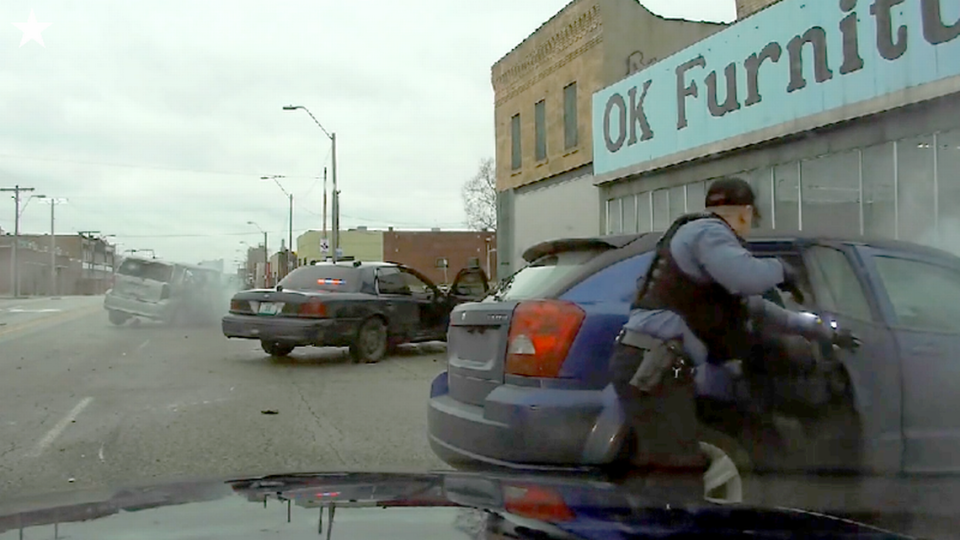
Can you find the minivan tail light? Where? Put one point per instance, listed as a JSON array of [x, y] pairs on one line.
[[313, 308], [541, 333]]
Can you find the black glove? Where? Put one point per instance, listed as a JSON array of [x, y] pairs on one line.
[[791, 281], [845, 339]]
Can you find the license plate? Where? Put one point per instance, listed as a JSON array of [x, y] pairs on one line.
[[270, 308]]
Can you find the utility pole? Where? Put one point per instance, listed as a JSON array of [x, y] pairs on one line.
[[14, 263], [86, 236], [290, 262], [336, 196], [324, 203]]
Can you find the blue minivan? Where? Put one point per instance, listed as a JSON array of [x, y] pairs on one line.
[[526, 384]]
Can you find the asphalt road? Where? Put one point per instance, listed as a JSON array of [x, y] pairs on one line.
[[86, 405]]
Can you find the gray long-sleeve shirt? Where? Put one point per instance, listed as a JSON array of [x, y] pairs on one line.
[[707, 250]]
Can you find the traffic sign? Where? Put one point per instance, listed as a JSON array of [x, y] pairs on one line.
[[324, 245]]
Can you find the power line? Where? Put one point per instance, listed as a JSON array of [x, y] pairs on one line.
[[135, 166]]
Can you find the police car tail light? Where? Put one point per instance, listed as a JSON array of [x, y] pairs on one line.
[[240, 306], [541, 333], [313, 309]]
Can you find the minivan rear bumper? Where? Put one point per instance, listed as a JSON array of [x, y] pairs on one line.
[[526, 428], [150, 310]]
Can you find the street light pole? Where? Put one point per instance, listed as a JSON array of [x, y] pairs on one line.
[[14, 263], [276, 178], [333, 167]]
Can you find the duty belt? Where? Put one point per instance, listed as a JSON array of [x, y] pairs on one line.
[[659, 356]]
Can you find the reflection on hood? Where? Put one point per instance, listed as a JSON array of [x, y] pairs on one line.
[[402, 506]]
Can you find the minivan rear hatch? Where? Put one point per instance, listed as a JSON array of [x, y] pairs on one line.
[[143, 280], [479, 332]]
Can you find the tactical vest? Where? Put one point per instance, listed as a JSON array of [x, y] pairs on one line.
[[712, 313]]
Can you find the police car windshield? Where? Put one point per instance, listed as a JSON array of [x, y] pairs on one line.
[[535, 279], [325, 277]]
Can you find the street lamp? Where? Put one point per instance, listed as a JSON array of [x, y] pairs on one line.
[[276, 178], [266, 255], [333, 167]]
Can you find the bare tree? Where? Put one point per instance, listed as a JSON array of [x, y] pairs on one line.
[[480, 197]]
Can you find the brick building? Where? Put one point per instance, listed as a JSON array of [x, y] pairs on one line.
[[422, 250], [34, 261], [745, 8], [542, 93]]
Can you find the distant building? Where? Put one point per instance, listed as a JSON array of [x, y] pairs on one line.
[[439, 255], [85, 264]]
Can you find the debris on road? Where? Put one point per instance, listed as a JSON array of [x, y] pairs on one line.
[[270, 411]]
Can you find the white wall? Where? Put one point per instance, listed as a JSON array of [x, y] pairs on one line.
[[565, 209]]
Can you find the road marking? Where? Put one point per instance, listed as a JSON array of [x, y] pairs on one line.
[[100, 454], [61, 317], [56, 430], [45, 310], [142, 345]]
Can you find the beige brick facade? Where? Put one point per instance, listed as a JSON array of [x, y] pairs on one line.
[[593, 43], [745, 8]]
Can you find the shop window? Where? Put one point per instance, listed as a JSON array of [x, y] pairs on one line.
[[948, 190], [916, 189], [786, 192], [645, 212], [879, 213], [629, 206], [761, 180], [677, 200], [661, 210], [540, 127], [696, 194], [830, 194], [516, 158], [613, 216], [571, 136]]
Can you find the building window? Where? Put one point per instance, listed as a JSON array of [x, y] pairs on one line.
[[879, 200], [570, 132], [516, 159], [540, 125], [948, 188], [630, 214], [786, 192], [696, 196], [614, 214], [830, 188], [916, 189], [644, 212], [661, 210], [678, 202]]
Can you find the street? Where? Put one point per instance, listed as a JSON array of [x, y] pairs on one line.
[[86, 405]]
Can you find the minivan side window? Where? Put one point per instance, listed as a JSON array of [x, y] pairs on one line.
[[836, 284], [616, 283], [923, 296]]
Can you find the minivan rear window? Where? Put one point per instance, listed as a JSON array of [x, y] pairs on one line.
[[533, 280], [326, 277], [156, 271]]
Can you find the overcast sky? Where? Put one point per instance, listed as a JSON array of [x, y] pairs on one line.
[[156, 119]]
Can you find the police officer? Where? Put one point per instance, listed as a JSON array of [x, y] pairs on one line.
[[692, 306]]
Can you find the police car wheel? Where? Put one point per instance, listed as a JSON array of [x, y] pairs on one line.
[[728, 465]]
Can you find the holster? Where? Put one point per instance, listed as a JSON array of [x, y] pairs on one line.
[[663, 408]]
